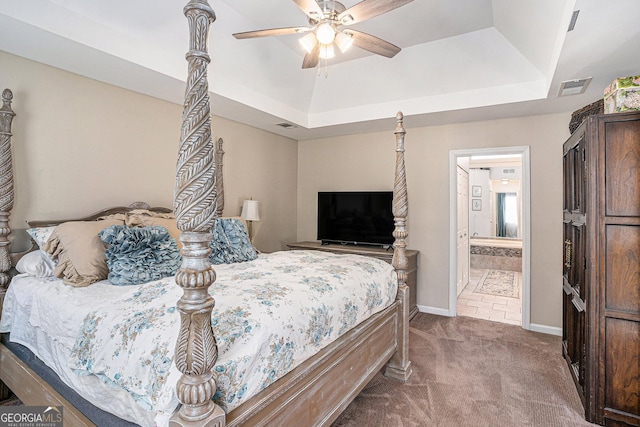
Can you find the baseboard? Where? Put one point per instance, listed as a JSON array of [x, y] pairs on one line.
[[544, 329], [434, 310], [551, 330]]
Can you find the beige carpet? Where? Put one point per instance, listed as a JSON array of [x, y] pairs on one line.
[[472, 372], [11, 401], [499, 282]]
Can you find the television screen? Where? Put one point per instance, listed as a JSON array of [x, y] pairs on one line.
[[355, 217]]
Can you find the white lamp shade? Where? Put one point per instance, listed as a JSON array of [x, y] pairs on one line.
[[250, 210], [308, 42], [327, 51], [344, 41]]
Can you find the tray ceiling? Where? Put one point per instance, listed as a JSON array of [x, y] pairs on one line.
[[460, 60]]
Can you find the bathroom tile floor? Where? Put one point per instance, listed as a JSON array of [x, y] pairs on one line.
[[489, 307]]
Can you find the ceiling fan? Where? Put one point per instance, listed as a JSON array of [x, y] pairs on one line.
[[327, 22]]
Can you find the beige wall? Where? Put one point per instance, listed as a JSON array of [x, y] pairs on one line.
[[366, 162], [80, 145]]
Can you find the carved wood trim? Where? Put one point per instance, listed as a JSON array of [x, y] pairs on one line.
[[399, 366], [195, 208], [6, 185], [219, 179]]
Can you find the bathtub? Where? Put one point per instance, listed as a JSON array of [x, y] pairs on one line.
[[495, 253], [496, 242]]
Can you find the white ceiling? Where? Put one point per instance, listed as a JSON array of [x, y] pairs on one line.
[[461, 60]]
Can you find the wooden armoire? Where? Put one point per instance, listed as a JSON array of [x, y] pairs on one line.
[[601, 298]]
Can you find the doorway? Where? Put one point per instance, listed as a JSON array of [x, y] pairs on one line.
[[495, 218]]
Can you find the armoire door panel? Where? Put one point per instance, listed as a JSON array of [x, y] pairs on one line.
[[622, 384], [622, 163], [578, 165], [622, 276]]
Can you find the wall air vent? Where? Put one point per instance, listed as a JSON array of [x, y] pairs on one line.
[[508, 171], [573, 87], [286, 125]]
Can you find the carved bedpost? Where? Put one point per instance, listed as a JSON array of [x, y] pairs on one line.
[[6, 201], [195, 207], [399, 366], [6, 188], [219, 179]]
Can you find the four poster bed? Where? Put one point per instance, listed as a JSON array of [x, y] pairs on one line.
[[233, 362]]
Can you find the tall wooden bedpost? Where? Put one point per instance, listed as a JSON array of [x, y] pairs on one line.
[[6, 201], [399, 367], [195, 207], [6, 188]]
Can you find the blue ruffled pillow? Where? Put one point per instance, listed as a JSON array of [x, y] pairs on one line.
[[139, 254], [230, 242]]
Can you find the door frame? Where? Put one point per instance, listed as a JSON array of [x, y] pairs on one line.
[[526, 223]]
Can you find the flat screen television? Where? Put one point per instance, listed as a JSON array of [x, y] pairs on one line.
[[355, 217]]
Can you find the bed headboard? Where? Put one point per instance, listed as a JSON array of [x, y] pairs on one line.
[[102, 213]]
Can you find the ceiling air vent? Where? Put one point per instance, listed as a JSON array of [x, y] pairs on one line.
[[573, 87], [286, 125], [574, 18]]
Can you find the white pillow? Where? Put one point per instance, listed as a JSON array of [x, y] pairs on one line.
[[40, 235], [36, 263]]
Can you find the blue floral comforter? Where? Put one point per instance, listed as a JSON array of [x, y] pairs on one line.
[[270, 315]]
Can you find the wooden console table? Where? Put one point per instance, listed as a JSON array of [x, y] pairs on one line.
[[383, 254]]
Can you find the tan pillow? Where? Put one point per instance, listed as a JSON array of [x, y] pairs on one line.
[[144, 218], [168, 223], [79, 251]]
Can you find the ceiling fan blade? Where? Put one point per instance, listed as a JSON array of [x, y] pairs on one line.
[[368, 9], [311, 8], [373, 44], [271, 32], [312, 58]]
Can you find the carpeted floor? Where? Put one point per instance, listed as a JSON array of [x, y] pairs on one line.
[[471, 372], [11, 401]]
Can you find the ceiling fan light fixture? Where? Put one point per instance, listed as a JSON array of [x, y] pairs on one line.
[[344, 41], [308, 42], [327, 51], [325, 33]]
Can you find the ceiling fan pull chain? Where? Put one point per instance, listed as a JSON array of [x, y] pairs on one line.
[[326, 68]]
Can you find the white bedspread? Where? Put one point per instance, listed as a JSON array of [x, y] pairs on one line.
[[271, 314]]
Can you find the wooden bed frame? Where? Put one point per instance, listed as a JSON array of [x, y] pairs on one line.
[[316, 391]]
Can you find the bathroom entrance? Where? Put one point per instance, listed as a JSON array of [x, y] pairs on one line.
[[491, 206]]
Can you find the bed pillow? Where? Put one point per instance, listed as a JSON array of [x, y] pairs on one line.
[[40, 235], [35, 263], [139, 254], [146, 218], [230, 242], [79, 252]]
